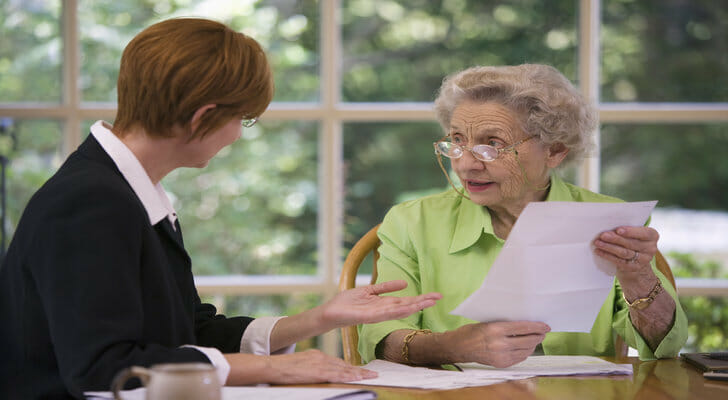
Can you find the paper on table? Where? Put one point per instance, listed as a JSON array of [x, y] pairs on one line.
[[260, 392], [551, 366], [547, 270], [398, 375]]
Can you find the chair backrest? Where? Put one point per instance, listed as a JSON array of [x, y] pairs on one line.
[[621, 347], [368, 244]]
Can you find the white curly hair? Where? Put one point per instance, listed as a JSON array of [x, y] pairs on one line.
[[548, 104]]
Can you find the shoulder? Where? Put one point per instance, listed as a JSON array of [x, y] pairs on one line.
[[564, 191], [84, 186], [587, 196], [439, 205]]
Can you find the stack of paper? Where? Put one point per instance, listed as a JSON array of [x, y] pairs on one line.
[[399, 375], [392, 374], [550, 366]]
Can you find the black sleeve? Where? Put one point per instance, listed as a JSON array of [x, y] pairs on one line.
[[86, 266], [215, 330]]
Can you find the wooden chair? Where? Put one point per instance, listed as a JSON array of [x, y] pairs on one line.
[[369, 243]]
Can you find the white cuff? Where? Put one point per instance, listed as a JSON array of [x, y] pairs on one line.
[[256, 338], [222, 366]]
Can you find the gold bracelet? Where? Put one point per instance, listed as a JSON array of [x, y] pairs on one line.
[[644, 302], [407, 339]]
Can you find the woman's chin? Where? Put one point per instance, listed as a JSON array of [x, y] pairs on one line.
[[482, 198]]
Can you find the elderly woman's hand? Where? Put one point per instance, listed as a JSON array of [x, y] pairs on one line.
[[630, 249], [500, 344]]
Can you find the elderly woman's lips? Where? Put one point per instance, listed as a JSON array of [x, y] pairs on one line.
[[477, 186]]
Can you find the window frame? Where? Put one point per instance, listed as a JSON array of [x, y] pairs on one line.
[[332, 114]]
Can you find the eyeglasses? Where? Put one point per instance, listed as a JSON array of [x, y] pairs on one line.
[[482, 152], [247, 123]]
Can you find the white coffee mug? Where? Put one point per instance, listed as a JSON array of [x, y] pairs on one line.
[[181, 381]]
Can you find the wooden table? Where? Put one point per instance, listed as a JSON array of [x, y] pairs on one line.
[[662, 379]]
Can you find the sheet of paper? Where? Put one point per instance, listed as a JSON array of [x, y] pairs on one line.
[[551, 366], [399, 375], [547, 270], [473, 374], [261, 392]]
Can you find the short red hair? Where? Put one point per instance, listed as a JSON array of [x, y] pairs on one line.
[[174, 67]]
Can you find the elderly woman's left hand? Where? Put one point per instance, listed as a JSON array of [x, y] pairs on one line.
[[630, 248]]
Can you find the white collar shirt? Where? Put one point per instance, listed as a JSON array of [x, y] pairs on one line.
[[153, 197]]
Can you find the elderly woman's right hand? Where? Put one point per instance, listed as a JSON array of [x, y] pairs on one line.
[[500, 344]]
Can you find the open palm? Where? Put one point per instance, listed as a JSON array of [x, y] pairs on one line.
[[365, 305]]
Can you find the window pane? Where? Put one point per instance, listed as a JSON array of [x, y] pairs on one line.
[[707, 323], [269, 305], [30, 51], [400, 50], [664, 51], [253, 209], [33, 149], [385, 164], [287, 30], [683, 167]]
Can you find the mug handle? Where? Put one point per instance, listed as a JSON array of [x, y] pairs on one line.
[[124, 375]]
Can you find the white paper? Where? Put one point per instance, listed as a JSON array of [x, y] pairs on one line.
[[473, 374], [399, 375], [261, 392], [547, 270], [551, 366]]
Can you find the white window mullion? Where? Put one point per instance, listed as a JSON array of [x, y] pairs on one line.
[[331, 182], [589, 27], [71, 97]]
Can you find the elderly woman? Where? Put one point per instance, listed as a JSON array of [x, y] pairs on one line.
[[507, 129]]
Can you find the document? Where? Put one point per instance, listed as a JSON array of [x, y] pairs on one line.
[[260, 392], [473, 374], [551, 366], [547, 270], [400, 375]]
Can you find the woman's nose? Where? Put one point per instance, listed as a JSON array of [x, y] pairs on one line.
[[468, 161]]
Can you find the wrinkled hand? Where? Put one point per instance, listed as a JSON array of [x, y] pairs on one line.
[[500, 344], [630, 249], [364, 305], [313, 366]]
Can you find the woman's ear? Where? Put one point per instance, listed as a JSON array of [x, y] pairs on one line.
[[556, 154], [197, 116]]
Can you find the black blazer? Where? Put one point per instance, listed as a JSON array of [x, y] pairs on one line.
[[88, 286]]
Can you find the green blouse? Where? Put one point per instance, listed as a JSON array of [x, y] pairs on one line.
[[445, 243]]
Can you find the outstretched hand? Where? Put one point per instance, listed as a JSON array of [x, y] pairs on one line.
[[364, 305]]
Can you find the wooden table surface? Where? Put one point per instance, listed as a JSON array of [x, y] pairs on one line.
[[662, 379]]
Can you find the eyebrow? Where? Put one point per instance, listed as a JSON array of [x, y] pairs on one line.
[[485, 131]]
